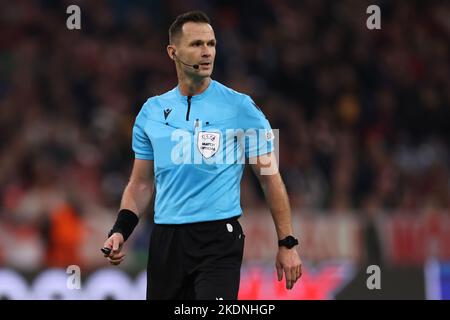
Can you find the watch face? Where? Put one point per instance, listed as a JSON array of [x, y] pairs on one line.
[[289, 242]]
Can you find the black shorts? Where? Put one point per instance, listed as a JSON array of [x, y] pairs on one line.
[[197, 261]]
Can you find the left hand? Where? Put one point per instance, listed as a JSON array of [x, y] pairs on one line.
[[115, 243], [288, 261]]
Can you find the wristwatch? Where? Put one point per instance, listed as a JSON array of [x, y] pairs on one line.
[[288, 242]]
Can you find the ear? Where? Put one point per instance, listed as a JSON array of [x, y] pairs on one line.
[[171, 51]]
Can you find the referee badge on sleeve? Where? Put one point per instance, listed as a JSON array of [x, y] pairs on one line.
[[269, 135], [208, 143]]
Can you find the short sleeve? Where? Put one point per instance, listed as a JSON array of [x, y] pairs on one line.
[[258, 134], [141, 143]]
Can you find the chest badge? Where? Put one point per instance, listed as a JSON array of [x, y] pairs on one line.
[[208, 143]]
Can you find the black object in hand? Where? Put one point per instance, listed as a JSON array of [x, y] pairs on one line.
[[106, 251]]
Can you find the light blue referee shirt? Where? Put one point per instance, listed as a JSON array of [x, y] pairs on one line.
[[199, 145]]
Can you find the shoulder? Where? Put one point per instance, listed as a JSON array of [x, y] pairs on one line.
[[171, 94], [154, 102], [243, 103], [228, 93]]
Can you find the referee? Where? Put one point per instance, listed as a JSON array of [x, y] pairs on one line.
[[197, 243]]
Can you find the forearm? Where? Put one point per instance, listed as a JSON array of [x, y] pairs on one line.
[[137, 196], [278, 201]]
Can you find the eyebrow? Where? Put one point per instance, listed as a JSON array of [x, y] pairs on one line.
[[202, 41]]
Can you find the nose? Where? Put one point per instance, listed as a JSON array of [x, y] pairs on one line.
[[206, 51]]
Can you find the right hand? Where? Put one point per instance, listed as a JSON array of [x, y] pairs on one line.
[[115, 243]]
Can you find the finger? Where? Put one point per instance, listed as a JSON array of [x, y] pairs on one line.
[[288, 284], [116, 256], [296, 273], [290, 277], [115, 244], [279, 272], [116, 261], [107, 244]]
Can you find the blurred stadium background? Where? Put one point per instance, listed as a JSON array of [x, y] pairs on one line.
[[364, 140]]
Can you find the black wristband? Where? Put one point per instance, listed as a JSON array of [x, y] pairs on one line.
[[126, 221]]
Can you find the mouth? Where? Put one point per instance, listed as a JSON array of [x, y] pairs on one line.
[[205, 64]]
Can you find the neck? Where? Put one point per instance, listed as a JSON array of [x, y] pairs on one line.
[[193, 86]]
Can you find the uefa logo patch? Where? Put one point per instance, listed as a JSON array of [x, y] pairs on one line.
[[208, 143]]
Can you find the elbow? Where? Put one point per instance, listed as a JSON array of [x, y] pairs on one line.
[[268, 181]]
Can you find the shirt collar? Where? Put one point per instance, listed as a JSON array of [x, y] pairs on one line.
[[197, 97]]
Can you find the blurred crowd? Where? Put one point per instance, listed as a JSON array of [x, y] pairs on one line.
[[363, 114]]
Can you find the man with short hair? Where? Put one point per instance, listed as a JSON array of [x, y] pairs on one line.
[[181, 141]]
